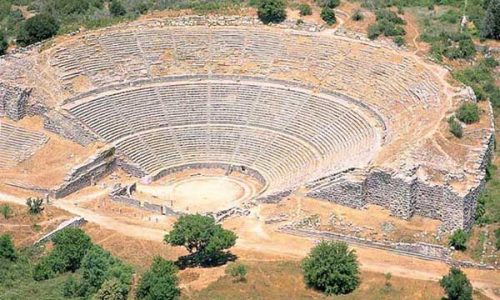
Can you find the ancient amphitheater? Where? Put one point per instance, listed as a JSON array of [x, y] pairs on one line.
[[294, 107]]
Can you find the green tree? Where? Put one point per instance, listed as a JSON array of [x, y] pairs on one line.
[[468, 113], [6, 211], [459, 239], [329, 3], [237, 271], [332, 268], [159, 282], [456, 285], [71, 245], [35, 205], [491, 22], [201, 236], [271, 11], [328, 15], [111, 289], [7, 249], [37, 28], [3, 44], [116, 8], [357, 15], [305, 9]]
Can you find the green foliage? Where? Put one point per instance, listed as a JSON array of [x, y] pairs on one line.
[[468, 113], [237, 271], [455, 127], [389, 16], [5, 211], [70, 287], [328, 15], [458, 239], [399, 40], [201, 236], [480, 78], [37, 28], [456, 285], [3, 44], [116, 8], [35, 205], [389, 24], [272, 11], [357, 15], [7, 249], [451, 16], [70, 246], [332, 268], [305, 9], [159, 282], [491, 22], [452, 46], [111, 289], [328, 3], [373, 31]]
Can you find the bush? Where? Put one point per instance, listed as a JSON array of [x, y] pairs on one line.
[[497, 237], [6, 211], [237, 271], [399, 40], [3, 44], [37, 28], [390, 16], [357, 15], [305, 9], [202, 237], [450, 16], [70, 287], [329, 3], [456, 285], [332, 268], [271, 11], [111, 289], [480, 78], [455, 127], [159, 282], [373, 31], [328, 15], [116, 8], [468, 113], [458, 239], [7, 250], [35, 205]]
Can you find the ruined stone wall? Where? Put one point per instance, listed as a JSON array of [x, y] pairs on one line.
[[87, 173], [13, 100], [68, 127]]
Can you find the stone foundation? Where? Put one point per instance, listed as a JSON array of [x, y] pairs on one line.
[[13, 100]]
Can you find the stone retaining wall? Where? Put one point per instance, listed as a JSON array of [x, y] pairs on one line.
[[68, 127], [74, 222], [13, 100]]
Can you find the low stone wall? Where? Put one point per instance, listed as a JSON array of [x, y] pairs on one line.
[[87, 173], [123, 195], [74, 222], [13, 100], [68, 127]]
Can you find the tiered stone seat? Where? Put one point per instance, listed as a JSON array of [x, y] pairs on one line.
[[17, 144], [286, 134]]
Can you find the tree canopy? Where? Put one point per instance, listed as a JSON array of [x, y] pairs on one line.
[[159, 282], [271, 11], [456, 285], [491, 21], [37, 28], [332, 268], [7, 250], [201, 236]]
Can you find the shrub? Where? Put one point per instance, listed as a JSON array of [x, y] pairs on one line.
[[201, 236], [332, 268], [468, 113], [455, 127], [497, 237], [450, 16], [328, 15], [373, 31], [329, 3], [3, 44], [116, 8], [70, 287], [6, 211], [111, 289], [399, 40], [7, 250], [159, 282], [390, 16], [458, 239], [357, 15], [305, 9], [237, 271], [480, 78], [491, 22], [37, 28], [456, 285], [35, 205], [271, 11]]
